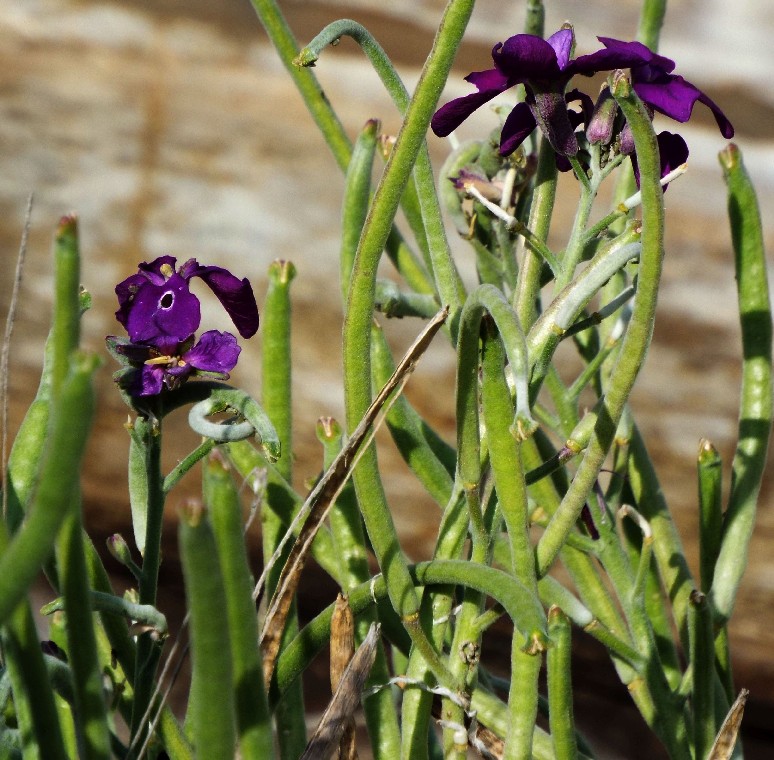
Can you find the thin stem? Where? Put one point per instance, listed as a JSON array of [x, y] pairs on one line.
[[651, 21], [357, 365], [147, 435]]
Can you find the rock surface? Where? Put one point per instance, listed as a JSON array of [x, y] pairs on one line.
[[173, 128]]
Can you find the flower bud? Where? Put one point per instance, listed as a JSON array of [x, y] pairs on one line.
[[602, 123]]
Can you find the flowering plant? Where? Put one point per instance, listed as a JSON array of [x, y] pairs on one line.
[[546, 468]]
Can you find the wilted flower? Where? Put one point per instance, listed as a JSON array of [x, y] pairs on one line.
[[156, 303]]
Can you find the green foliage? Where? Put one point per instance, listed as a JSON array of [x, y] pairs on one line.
[[518, 494]]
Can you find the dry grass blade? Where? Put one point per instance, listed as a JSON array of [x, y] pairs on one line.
[[6, 350], [723, 747], [342, 651], [488, 743], [322, 497], [327, 735]]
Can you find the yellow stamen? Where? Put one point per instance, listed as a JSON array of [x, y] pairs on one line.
[[161, 360]]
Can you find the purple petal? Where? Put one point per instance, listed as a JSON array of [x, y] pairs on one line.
[[673, 152], [147, 381], [527, 57], [586, 104], [562, 42], [125, 291], [675, 97], [619, 54], [234, 294], [490, 84], [215, 352], [725, 126], [154, 312], [518, 126]]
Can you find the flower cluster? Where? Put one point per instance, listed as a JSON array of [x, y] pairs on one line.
[[161, 315], [545, 68]]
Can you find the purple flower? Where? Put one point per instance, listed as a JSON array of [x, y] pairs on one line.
[[665, 92], [156, 303], [151, 368], [544, 67]]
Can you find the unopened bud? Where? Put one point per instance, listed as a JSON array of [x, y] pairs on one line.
[[602, 123], [119, 549]]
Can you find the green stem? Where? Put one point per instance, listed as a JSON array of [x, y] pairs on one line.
[[638, 335], [357, 364], [522, 703], [505, 455], [91, 712], [710, 477], [33, 696], [651, 21], [430, 225], [147, 437], [540, 213], [702, 662], [536, 16]]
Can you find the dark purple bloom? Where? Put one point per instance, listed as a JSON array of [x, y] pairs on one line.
[[544, 67], [156, 303], [168, 364]]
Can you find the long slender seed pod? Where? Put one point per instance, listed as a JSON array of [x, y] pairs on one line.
[[33, 542], [755, 408], [252, 712], [710, 511], [559, 677], [276, 371], [212, 712]]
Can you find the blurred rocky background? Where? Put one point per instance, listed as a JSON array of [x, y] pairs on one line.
[[171, 127]]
